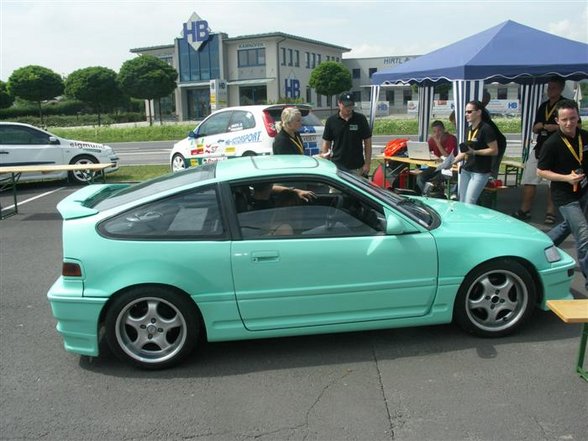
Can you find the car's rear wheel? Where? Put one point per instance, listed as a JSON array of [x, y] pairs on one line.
[[152, 327], [178, 163], [495, 299], [249, 153], [82, 176]]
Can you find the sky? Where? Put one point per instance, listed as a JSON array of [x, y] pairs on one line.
[[66, 35]]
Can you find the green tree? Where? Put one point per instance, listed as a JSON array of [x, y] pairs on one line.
[[6, 99], [35, 83], [96, 86], [330, 78], [149, 78]]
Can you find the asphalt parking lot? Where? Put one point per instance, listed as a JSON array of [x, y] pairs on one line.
[[428, 383]]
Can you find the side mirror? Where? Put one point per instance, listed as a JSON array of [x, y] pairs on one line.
[[394, 225], [53, 140], [192, 134]]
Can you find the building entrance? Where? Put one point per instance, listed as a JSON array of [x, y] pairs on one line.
[[198, 103]]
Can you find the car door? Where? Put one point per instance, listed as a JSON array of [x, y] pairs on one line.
[[210, 136], [338, 265], [27, 145]]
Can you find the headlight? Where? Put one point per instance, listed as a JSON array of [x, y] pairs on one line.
[[552, 254]]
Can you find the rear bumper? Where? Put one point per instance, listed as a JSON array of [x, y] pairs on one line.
[[77, 318]]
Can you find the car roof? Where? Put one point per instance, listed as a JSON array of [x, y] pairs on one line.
[[249, 166], [256, 108]]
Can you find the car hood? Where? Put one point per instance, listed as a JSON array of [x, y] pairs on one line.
[[468, 218]]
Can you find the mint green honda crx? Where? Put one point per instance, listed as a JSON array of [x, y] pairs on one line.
[[273, 246]]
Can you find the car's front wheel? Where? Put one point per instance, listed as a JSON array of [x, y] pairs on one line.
[[178, 163], [152, 327], [495, 299], [82, 176]]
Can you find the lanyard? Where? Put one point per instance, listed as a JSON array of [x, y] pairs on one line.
[[548, 114], [472, 134], [297, 143], [577, 156]]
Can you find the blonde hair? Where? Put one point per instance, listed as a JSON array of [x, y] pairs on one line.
[[288, 115]]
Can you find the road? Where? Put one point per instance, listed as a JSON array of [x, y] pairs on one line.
[[429, 383], [157, 152]]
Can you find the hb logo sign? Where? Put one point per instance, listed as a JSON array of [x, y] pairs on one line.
[[195, 32], [292, 88]]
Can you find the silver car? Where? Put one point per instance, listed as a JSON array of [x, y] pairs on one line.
[[24, 144]]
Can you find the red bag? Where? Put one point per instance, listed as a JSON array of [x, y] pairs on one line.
[[395, 146]]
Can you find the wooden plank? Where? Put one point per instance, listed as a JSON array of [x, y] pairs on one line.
[[52, 168], [570, 311]]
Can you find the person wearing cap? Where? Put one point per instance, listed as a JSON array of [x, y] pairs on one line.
[[347, 138]]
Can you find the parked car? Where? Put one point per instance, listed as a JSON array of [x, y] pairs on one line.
[[24, 144], [241, 131], [206, 253]]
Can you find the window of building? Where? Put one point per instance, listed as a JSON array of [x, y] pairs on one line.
[[252, 95], [290, 57], [283, 56], [406, 95], [251, 57], [167, 59], [307, 56], [372, 71], [328, 58], [502, 93], [313, 60], [356, 96], [319, 100], [202, 64], [308, 95], [297, 58], [318, 59], [337, 59], [390, 96], [356, 74]]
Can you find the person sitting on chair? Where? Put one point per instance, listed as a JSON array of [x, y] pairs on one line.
[[441, 144]]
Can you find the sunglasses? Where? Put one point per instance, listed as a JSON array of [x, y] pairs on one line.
[[470, 111]]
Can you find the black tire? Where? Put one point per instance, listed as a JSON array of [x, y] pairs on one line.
[[81, 177], [249, 153], [495, 299], [152, 327], [177, 163]]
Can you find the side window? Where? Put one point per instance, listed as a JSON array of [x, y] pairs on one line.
[[193, 215], [241, 121], [271, 209], [215, 124], [17, 135]]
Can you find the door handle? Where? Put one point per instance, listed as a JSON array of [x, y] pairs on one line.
[[265, 256]]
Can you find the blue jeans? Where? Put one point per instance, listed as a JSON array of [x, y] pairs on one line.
[[471, 185], [575, 221]]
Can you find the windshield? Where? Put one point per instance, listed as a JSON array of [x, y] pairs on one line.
[[152, 186], [413, 208]]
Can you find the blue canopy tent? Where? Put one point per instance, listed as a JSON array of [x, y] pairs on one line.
[[508, 52]]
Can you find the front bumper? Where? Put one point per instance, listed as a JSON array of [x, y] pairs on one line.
[[557, 280]]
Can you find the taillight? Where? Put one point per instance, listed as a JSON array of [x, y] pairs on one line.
[[71, 270], [270, 124]]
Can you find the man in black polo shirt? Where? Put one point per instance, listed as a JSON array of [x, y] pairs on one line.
[[564, 161], [347, 139]]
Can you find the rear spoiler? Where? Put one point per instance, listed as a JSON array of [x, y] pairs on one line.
[[76, 205]]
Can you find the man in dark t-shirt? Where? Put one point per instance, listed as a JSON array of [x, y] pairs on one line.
[[347, 138], [564, 161]]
